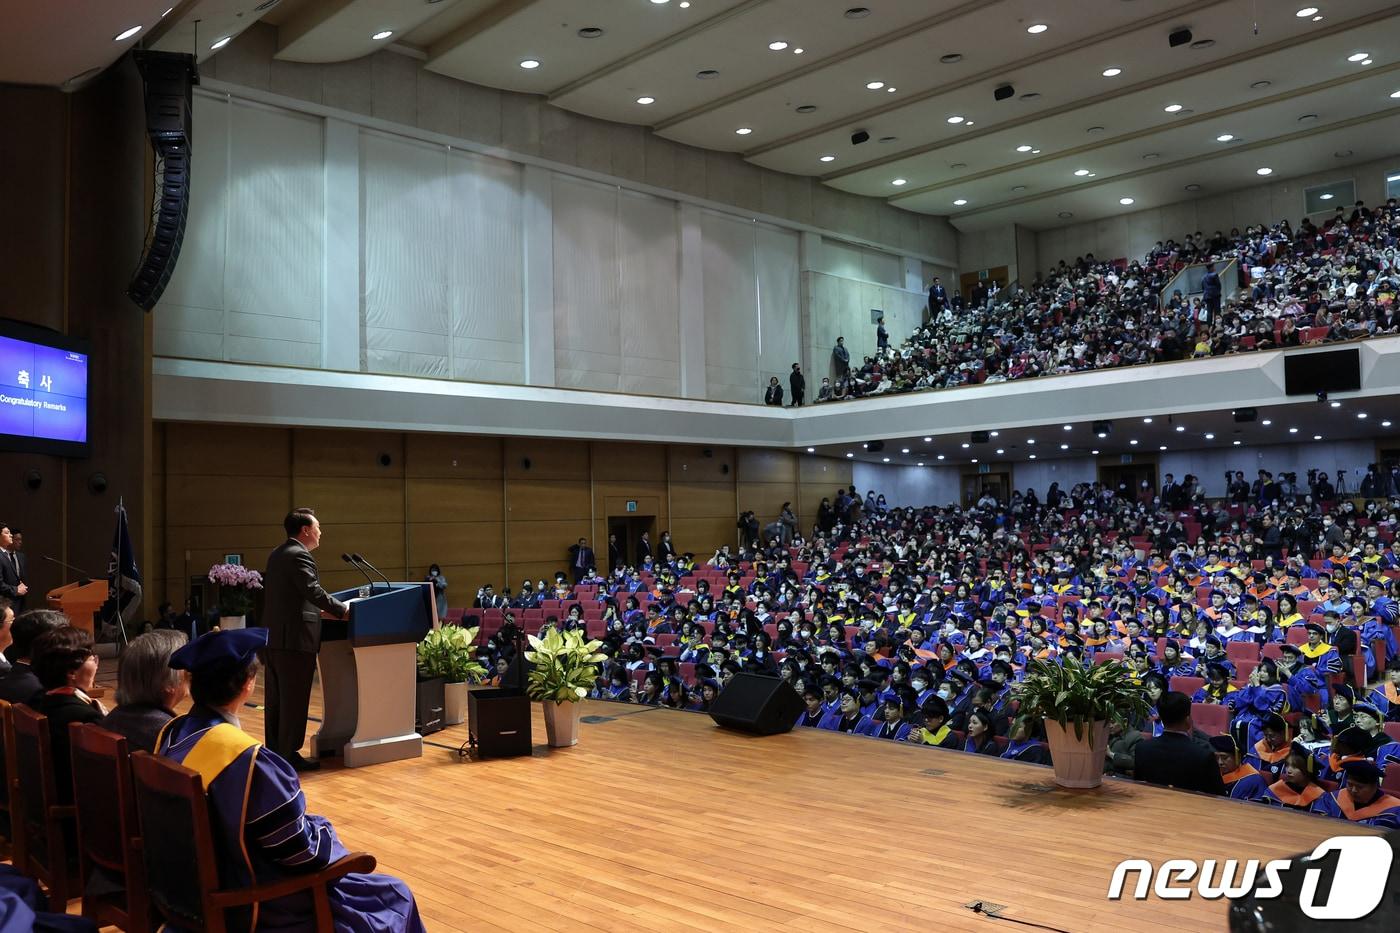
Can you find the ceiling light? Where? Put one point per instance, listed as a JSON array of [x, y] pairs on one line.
[[1035, 152], [857, 12], [994, 434], [1260, 85], [1163, 447], [646, 100], [1307, 118], [1306, 11], [778, 46], [1081, 172], [659, 2], [952, 58], [905, 450], [1032, 456], [1366, 61], [1327, 197], [1028, 148], [889, 139], [1264, 171], [1210, 437], [1017, 189], [940, 456], [590, 32], [743, 131], [1133, 442], [1064, 447], [1361, 415], [1066, 215], [1385, 424], [1358, 56], [1112, 72], [1292, 430], [850, 455], [811, 450], [891, 89], [1193, 187], [1030, 95], [798, 51], [828, 158], [127, 33], [1237, 443], [956, 119], [221, 43], [921, 463], [966, 445], [874, 85], [1394, 94], [1069, 427], [1125, 201], [1343, 154], [1317, 19], [1336, 404], [900, 182], [1317, 437], [707, 74], [960, 202], [1030, 440], [1180, 428], [885, 459], [1094, 129], [1224, 137], [807, 108], [974, 459], [1094, 452], [1001, 450], [1036, 28], [1202, 44], [529, 64], [382, 34], [1146, 420], [1172, 108], [167, 13], [1093, 175]]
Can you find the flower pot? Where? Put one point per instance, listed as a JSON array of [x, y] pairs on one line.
[[454, 703], [561, 723], [232, 622], [1078, 762]]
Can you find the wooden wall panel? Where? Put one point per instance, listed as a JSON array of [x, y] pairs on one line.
[[703, 500], [227, 450], [320, 452], [824, 471], [548, 500], [259, 501], [690, 463], [701, 536], [457, 543], [448, 456], [628, 462], [767, 466], [532, 543], [549, 459], [440, 499], [766, 500], [341, 499]]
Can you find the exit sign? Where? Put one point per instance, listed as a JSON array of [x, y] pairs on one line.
[[631, 505]]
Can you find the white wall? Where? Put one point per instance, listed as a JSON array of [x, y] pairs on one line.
[[1131, 235], [1039, 474], [1210, 465], [909, 485]]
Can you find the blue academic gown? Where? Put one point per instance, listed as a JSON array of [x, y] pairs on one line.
[[263, 833]]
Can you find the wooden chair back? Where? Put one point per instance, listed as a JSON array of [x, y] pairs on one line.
[[34, 803], [107, 826], [13, 827]]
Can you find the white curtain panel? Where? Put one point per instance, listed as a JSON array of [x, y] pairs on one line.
[[649, 277], [779, 303], [587, 319], [730, 280]]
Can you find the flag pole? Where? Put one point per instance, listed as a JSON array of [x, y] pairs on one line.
[[122, 641]]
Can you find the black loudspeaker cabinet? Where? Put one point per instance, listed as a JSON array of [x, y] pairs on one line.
[[498, 719], [757, 704], [429, 705]]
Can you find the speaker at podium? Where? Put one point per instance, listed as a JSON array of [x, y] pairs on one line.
[[369, 674]]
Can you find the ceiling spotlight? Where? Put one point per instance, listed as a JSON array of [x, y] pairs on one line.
[[921, 463], [1210, 437], [167, 13], [1193, 187], [1358, 56], [1307, 118], [1035, 152], [1032, 457], [1028, 148], [590, 32], [1064, 447], [220, 43], [1292, 430], [1394, 95], [1163, 447], [1264, 171], [684, 4], [1327, 197], [798, 51], [1260, 85], [1172, 108], [900, 182], [1237, 443], [1066, 215], [994, 434], [928, 440], [1094, 452], [529, 64], [1069, 427], [1266, 422], [1336, 404], [952, 58], [646, 100], [960, 202], [1112, 72], [1202, 44], [1224, 137], [828, 158], [1361, 415], [1031, 95], [743, 131], [778, 46], [974, 459], [1317, 19], [659, 2], [874, 85], [382, 34], [885, 459], [1081, 172], [1036, 28], [1306, 11], [940, 456], [126, 33], [905, 450], [891, 89], [707, 75], [848, 455], [811, 450], [1001, 450], [1030, 440], [1317, 437], [1366, 61], [1385, 424], [1133, 442], [1125, 201], [956, 119], [1180, 428], [966, 445], [857, 12]]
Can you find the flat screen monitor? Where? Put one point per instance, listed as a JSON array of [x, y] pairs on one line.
[[43, 391], [1329, 371]]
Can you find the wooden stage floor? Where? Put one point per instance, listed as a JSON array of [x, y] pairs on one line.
[[658, 820]]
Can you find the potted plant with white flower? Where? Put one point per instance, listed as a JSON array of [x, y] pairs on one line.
[[238, 588], [565, 669]]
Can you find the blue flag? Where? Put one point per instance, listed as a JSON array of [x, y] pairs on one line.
[[123, 578]]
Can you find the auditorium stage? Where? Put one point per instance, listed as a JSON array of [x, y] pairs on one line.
[[658, 820]]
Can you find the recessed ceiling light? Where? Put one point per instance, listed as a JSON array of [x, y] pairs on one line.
[[850, 455], [905, 450], [952, 58], [743, 131], [1358, 56], [1028, 148], [590, 32], [811, 450], [1032, 457], [126, 33], [1327, 197], [1209, 436], [1094, 452], [1017, 189], [1066, 215], [885, 459], [1163, 447], [172, 10], [1133, 442], [960, 202], [994, 434], [857, 12], [1193, 187], [1362, 415], [1081, 172], [891, 89], [778, 46], [1307, 118], [828, 158], [1202, 44], [798, 51], [1036, 29], [1343, 154], [1306, 11], [1150, 156], [1266, 422], [220, 43], [1069, 427], [1125, 201], [1001, 450], [1237, 443], [1030, 440], [529, 64], [1317, 437], [807, 108], [874, 85], [900, 182], [928, 440], [888, 139], [1035, 152], [1224, 137], [974, 459], [1172, 108], [940, 456], [707, 74], [1064, 447], [646, 100], [1317, 19], [958, 165], [1385, 424], [1264, 171], [921, 463], [1180, 428], [1292, 430], [382, 34], [1112, 72], [966, 445], [659, 2], [1030, 95], [1260, 85], [956, 119], [1394, 94]]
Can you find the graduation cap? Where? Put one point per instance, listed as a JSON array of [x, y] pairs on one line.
[[1216, 669], [1276, 722], [1354, 737], [1291, 650], [1315, 629], [703, 670], [222, 649], [1224, 743], [1004, 667], [989, 683], [1344, 690], [1155, 677], [865, 685], [1215, 640], [1363, 771], [1369, 710], [1173, 644]]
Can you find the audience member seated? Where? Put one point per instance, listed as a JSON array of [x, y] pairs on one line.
[[1176, 758], [148, 690], [66, 667], [19, 684], [256, 803]]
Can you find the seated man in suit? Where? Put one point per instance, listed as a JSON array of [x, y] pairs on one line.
[[20, 683], [256, 802], [1176, 758]]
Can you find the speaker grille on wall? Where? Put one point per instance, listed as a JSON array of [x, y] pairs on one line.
[[757, 704], [169, 78], [1178, 37], [1004, 92]]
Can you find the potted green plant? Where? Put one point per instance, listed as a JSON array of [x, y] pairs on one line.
[[449, 652], [1077, 702], [565, 669]]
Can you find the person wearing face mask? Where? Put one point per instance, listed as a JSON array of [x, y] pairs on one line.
[[935, 730]]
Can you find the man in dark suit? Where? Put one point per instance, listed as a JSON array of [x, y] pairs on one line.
[[581, 559], [1176, 758], [293, 602], [614, 553], [937, 297], [12, 584], [643, 549]]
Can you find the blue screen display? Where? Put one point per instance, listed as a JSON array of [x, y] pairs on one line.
[[43, 391]]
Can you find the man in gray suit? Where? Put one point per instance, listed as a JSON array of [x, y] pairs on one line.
[[293, 602]]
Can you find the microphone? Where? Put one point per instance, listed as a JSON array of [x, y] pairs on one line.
[[360, 560], [86, 577], [351, 561]]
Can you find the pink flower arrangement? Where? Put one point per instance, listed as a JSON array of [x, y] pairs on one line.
[[235, 575]]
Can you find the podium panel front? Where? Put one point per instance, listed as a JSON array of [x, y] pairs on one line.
[[369, 674]]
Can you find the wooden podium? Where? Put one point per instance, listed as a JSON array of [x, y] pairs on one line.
[[79, 602], [369, 675]]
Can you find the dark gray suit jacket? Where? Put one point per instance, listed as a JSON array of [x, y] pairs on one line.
[[293, 599]]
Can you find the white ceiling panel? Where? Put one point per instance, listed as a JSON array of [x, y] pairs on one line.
[[340, 30], [39, 44]]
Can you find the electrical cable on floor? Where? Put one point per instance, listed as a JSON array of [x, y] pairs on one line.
[[976, 908]]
